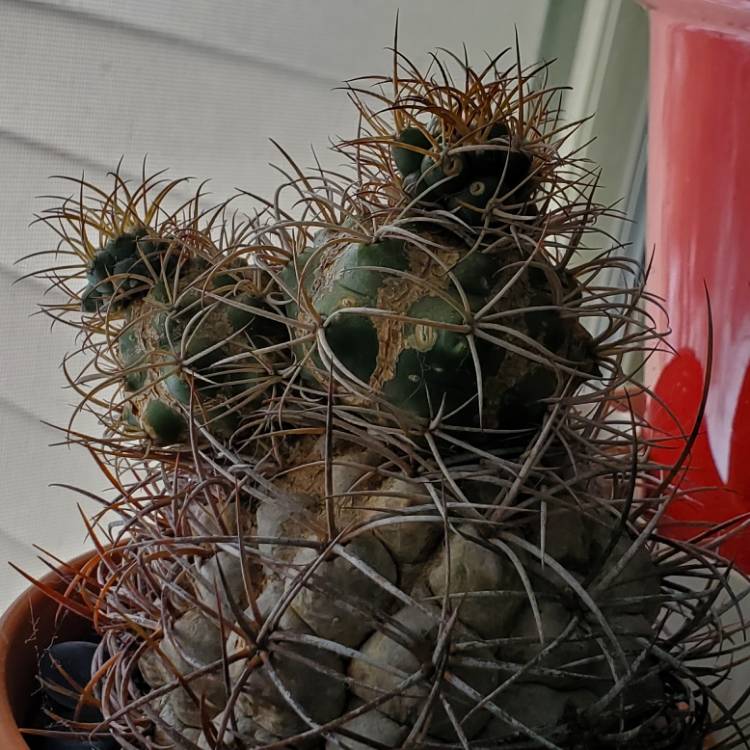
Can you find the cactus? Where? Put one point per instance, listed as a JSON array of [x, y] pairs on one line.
[[195, 340], [174, 318], [388, 504]]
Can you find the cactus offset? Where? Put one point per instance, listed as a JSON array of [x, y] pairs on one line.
[[173, 314]]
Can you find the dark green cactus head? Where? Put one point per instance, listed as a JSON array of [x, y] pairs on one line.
[[479, 177], [486, 147], [124, 269]]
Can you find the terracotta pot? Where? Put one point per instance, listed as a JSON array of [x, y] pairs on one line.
[[28, 626]]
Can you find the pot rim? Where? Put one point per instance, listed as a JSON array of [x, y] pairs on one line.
[[17, 633]]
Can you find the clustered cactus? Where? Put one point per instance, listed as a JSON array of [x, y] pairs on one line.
[[371, 492]]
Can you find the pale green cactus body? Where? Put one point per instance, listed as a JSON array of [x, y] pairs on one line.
[[371, 615]]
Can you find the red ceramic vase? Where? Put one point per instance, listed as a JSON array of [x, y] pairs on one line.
[[699, 234]]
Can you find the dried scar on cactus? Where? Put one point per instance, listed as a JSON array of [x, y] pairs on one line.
[[370, 490]]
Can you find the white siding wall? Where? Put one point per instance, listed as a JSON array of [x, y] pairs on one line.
[[200, 86]]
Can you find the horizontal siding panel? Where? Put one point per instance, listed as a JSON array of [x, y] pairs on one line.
[[27, 167], [30, 171], [30, 374], [32, 511], [334, 39], [204, 116]]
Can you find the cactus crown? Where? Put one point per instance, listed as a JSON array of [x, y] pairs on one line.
[[371, 491]]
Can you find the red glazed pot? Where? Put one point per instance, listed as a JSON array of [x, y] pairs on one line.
[[28, 626], [699, 233]]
